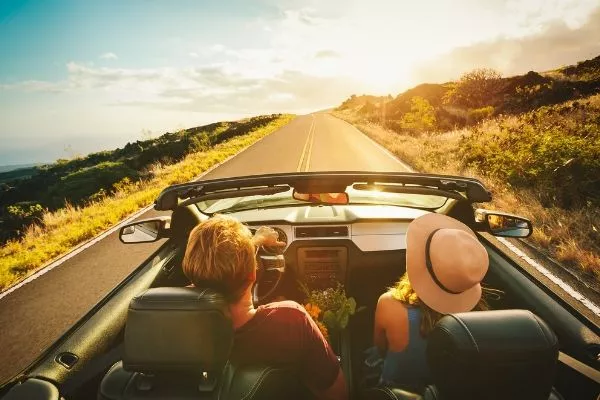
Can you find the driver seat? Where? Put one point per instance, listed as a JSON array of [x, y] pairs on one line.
[[177, 344]]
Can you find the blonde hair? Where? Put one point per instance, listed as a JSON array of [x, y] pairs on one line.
[[220, 254], [403, 291]]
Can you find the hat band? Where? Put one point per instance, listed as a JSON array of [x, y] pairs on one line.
[[430, 267]]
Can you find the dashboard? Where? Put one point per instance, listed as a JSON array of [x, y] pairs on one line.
[[324, 243], [367, 236]]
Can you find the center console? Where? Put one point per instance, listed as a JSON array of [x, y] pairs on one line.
[[322, 267]]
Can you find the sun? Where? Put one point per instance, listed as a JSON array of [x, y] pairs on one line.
[[381, 75]]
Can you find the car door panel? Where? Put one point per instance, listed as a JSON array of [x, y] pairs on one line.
[[98, 334], [578, 337]]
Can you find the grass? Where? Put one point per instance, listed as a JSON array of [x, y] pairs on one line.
[[569, 236], [67, 227]]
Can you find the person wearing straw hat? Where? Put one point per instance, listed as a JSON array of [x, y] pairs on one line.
[[445, 264]]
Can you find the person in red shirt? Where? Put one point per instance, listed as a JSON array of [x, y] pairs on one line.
[[221, 253]]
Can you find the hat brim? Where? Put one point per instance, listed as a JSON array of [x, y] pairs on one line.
[[421, 281]]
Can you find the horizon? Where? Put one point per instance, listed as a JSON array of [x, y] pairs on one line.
[[124, 71]]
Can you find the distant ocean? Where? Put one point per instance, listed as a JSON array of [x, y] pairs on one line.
[[7, 168]]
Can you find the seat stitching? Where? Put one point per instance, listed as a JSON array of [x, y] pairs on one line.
[[467, 330], [540, 327], [254, 388]]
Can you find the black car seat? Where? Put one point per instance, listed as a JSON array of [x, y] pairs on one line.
[[487, 355], [176, 346]]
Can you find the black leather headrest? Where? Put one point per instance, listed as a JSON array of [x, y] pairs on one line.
[[504, 354], [177, 329]]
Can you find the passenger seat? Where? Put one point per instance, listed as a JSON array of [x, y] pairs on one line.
[[487, 355]]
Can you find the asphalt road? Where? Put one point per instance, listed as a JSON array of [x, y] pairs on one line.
[[35, 315]]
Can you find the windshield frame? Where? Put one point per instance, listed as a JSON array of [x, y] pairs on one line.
[[285, 199], [471, 189]]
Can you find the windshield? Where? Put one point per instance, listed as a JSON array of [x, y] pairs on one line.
[[356, 197]]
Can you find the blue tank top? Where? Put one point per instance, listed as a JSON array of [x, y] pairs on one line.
[[408, 368]]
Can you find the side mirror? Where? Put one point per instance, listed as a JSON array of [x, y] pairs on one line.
[[322, 198], [145, 231], [503, 224]]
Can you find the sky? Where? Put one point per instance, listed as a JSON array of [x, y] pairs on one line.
[[78, 76]]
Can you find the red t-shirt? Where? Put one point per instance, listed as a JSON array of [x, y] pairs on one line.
[[282, 333]]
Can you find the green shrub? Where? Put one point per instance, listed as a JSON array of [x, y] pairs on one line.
[[421, 116], [477, 115], [83, 183], [16, 216], [474, 89], [554, 149]]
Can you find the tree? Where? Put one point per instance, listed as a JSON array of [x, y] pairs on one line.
[[421, 116], [475, 89]]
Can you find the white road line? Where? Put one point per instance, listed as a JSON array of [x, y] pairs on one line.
[[555, 279], [383, 149], [73, 253], [544, 271], [85, 245]]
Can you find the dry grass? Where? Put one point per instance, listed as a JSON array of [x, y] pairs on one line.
[[65, 228], [561, 234]]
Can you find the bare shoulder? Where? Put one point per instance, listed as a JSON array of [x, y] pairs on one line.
[[385, 298], [388, 304]]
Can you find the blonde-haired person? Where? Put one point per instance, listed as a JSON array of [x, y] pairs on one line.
[[445, 264], [221, 253]]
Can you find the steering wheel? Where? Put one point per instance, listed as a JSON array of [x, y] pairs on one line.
[[267, 262]]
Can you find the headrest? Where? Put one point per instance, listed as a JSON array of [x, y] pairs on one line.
[[177, 329], [504, 354]]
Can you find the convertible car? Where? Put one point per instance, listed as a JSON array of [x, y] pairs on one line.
[[155, 337]]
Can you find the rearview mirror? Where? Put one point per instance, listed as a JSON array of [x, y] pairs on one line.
[[503, 224], [145, 231], [322, 198]]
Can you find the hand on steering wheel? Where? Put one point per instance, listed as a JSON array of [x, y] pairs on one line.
[[267, 262], [265, 236]]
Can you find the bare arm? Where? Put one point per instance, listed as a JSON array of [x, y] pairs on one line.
[[379, 336], [390, 332]]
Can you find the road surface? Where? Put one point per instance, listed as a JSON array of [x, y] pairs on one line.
[[35, 315]]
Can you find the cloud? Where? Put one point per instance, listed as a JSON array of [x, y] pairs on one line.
[[209, 88], [312, 60], [556, 45], [327, 54], [109, 56]]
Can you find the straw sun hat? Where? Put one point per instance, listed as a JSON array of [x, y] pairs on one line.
[[445, 263]]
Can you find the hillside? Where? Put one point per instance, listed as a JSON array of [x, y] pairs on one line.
[[50, 234], [25, 194], [506, 95], [534, 139]]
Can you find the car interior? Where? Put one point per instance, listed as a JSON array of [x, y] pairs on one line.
[[153, 337]]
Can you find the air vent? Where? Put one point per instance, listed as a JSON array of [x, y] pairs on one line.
[[321, 232]]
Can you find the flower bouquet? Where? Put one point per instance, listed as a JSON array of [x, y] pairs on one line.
[[329, 308]]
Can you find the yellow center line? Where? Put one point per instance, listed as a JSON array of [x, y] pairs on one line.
[[303, 154], [310, 146]]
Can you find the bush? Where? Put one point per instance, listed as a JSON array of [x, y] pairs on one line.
[[80, 185], [16, 216], [475, 89], [554, 149], [421, 116], [477, 115]]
